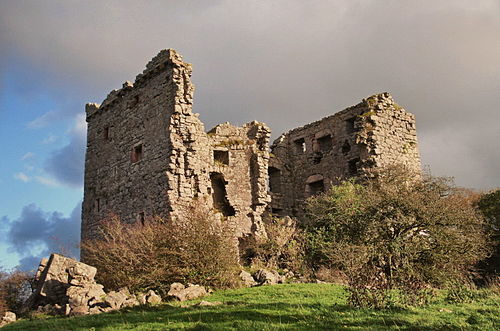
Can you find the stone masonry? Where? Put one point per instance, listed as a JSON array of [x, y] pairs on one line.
[[149, 155], [372, 134]]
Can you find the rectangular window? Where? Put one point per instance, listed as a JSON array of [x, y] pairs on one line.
[[352, 167], [349, 124], [274, 180], [325, 143], [106, 135], [300, 146], [137, 153], [221, 157]]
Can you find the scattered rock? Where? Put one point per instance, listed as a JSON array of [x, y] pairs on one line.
[[266, 277], [247, 279], [152, 297], [182, 293], [9, 317]]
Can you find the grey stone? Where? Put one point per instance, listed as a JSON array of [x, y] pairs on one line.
[[181, 293], [247, 279]]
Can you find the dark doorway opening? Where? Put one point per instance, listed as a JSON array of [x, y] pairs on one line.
[[219, 194]]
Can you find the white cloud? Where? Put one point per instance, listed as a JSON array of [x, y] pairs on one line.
[[47, 181], [27, 156], [22, 177], [42, 121], [49, 139]]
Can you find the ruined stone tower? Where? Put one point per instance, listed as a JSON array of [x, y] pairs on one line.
[[148, 154]]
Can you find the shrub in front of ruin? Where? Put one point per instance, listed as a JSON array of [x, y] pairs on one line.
[[396, 231], [195, 249]]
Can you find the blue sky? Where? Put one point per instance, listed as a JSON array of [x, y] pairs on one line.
[[283, 62]]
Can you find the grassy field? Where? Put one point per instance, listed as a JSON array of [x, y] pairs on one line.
[[282, 307]]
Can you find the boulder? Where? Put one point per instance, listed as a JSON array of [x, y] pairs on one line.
[[266, 277], [9, 317], [182, 293], [247, 279], [152, 297]]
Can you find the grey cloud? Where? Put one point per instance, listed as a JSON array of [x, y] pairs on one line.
[[289, 62], [66, 164], [36, 234]]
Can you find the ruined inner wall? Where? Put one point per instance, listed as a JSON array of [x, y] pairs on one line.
[[148, 155], [307, 160]]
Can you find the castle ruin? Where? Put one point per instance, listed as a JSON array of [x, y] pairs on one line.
[[149, 155]]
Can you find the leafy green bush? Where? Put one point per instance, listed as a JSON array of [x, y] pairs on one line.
[[396, 230], [196, 249]]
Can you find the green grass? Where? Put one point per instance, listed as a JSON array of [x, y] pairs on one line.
[[282, 307]]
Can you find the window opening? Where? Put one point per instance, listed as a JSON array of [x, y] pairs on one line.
[[317, 187], [352, 167], [137, 153], [350, 128], [106, 133], [219, 194], [346, 147], [300, 146], [325, 143], [141, 217], [274, 180], [221, 157]]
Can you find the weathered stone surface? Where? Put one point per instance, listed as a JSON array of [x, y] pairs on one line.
[[180, 292], [266, 277], [9, 317], [148, 154], [152, 297], [307, 160], [247, 279]]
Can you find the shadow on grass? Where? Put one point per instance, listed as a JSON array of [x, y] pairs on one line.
[[232, 316]]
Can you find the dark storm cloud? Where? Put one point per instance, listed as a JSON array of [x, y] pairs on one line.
[[288, 62], [36, 234]]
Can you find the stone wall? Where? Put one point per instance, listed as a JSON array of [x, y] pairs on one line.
[[148, 155], [307, 160]]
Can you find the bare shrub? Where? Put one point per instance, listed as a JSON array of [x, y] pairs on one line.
[[15, 288], [195, 249], [283, 249], [396, 231]]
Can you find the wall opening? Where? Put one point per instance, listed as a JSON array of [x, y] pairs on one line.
[[300, 146], [141, 217], [352, 166], [349, 124], [346, 147], [219, 194], [325, 143], [98, 205], [105, 134], [316, 187], [137, 153], [274, 180], [221, 157]]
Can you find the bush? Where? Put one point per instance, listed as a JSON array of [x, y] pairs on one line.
[[15, 288], [283, 249], [489, 205], [196, 249], [395, 231]]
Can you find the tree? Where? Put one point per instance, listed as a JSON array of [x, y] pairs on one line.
[[397, 230]]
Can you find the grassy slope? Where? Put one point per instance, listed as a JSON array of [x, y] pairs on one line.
[[281, 307]]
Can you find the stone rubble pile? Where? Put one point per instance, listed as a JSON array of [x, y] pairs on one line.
[[263, 277], [64, 286]]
